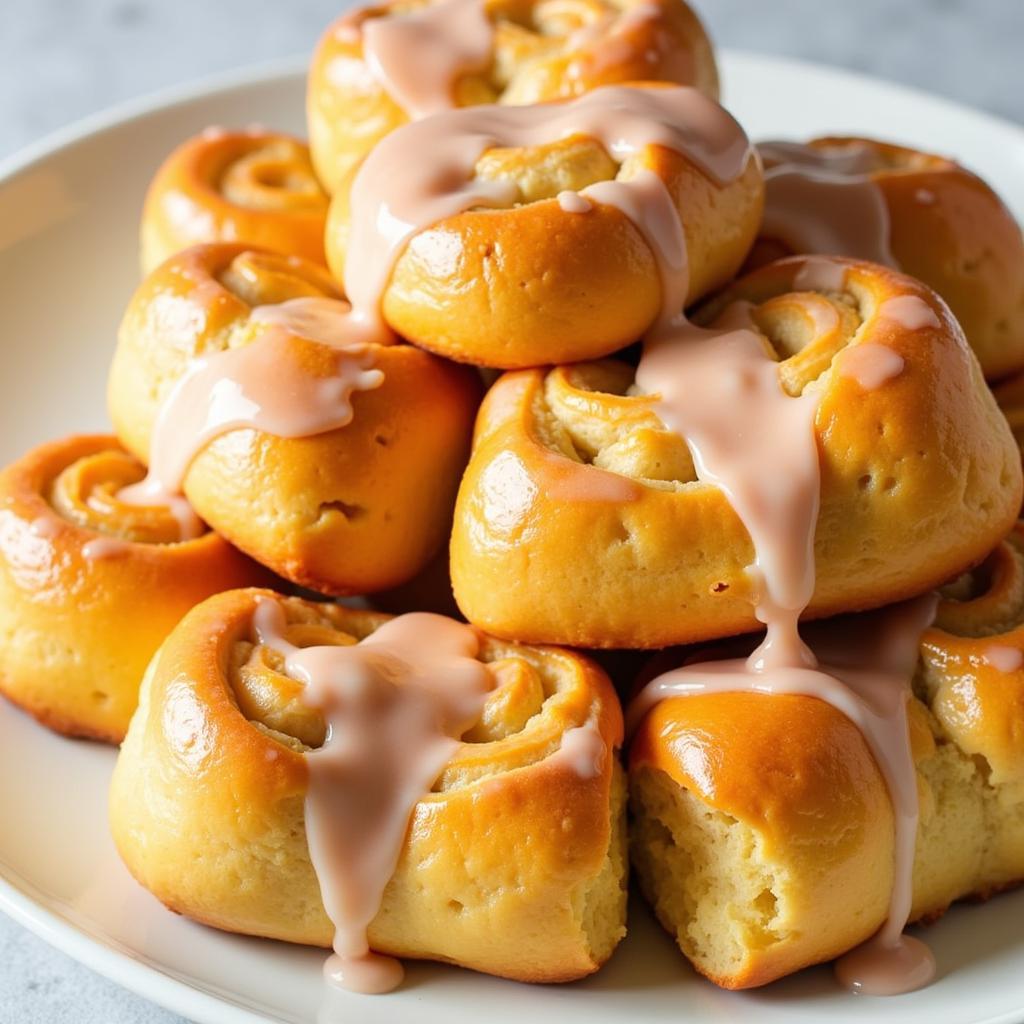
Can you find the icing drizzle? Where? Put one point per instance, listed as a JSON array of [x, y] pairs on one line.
[[823, 199], [396, 704]]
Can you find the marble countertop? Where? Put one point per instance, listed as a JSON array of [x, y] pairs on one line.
[[63, 59]]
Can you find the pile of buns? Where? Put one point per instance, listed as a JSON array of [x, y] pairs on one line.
[[305, 408]]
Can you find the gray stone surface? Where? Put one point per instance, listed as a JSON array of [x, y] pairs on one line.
[[62, 59]]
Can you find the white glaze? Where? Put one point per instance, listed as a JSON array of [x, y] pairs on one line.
[[910, 312]]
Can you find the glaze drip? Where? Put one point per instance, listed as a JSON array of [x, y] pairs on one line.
[[395, 704], [867, 664], [719, 388], [418, 56], [396, 193], [260, 386], [824, 200]]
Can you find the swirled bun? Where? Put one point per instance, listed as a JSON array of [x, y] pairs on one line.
[[90, 585], [355, 509], [949, 229], [577, 492], [512, 865], [542, 50], [530, 283], [255, 186], [763, 831]]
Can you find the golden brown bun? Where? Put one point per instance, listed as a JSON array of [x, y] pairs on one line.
[[207, 804], [951, 231], [349, 111], [919, 479], [90, 586], [357, 509], [256, 187], [534, 284], [763, 831]]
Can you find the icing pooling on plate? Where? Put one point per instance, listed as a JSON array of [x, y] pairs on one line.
[[824, 200], [395, 704]]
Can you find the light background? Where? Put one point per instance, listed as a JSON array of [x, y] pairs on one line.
[[63, 59]]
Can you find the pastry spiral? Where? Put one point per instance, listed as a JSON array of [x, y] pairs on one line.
[[255, 186], [352, 508], [577, 491], [90, 585], [763, 831], [513, 864], [518, 52], [936, 220], [514, 237]]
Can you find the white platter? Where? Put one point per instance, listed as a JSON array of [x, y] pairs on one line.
[[68, 219]]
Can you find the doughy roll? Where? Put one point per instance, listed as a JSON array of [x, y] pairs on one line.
[[939, 223], [763, 830], [513, 864], [255, 186], [359, 507], [534, 231], [499, 51], [577, 492], [90, 585]]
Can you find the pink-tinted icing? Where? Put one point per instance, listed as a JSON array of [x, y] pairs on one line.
[[721, 391], [869, 364], [583, 750], [891, 968], [418, 175], [573, 202], [260, 386], [100, 548], [417, 56], [316, 317], [823, 199], [396, 704], [819, 212], [910, 312], [867, 666], [719, 388], [45, 526], [820, 273], [852, 158], [153, 492], [1003, 657]]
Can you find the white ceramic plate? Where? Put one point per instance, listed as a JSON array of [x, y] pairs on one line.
[[68, 218]]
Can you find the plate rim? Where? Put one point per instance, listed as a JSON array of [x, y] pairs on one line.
[[19, 899]]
